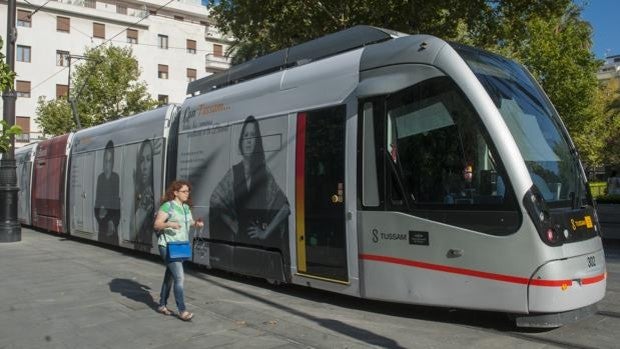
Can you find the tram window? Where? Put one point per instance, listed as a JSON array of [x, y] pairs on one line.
[[370, 194], [442, 156]]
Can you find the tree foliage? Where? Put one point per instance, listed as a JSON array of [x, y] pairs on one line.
[[105, 86], [6, 75], [7, 132], [557, 52], [610, 93], [261, 27]]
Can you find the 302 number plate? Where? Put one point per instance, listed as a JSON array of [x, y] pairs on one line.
[[591, 260]]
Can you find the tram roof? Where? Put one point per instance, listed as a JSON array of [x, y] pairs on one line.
[[323, 47]]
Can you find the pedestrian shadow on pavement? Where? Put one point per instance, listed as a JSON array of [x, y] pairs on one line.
[[134, 291]]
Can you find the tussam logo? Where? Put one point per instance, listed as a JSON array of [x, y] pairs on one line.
[[377, 235]]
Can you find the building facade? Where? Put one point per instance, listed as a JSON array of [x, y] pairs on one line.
[[173, 41], [610, 69]]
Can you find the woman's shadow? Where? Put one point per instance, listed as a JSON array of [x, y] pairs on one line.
[[134, 291]]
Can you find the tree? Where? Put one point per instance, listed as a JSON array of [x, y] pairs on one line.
[[610, 92], [266, 26], [557, 52], [6, 80], [108, 81]]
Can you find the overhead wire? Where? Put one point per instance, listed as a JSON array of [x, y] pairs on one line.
[[40, 7], [101, 44]]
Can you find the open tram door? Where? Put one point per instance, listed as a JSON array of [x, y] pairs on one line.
[[319, 194]]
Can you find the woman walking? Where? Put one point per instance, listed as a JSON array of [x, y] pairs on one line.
[[173, 221]]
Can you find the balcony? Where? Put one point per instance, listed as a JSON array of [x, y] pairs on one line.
[[215, 63], [609, 71], [30, 137]]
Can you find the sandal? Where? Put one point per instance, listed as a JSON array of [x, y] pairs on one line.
[[186, 315], [164, 310]]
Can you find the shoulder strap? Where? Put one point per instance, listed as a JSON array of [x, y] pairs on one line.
[[170, 208], [169, 215]]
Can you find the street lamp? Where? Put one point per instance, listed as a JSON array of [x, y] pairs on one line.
[[10, 229]]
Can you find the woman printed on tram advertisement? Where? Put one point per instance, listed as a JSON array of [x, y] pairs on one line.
[[247, 205], [107, 200], [142, 218]]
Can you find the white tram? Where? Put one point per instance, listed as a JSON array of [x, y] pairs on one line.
[[369, 163], [394, 167]]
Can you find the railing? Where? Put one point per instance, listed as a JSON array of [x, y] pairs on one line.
[[23, 138], [134, 12], [29, 137], [213, 62]]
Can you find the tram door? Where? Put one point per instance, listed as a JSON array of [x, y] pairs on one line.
[[320, 185], [82, 193]]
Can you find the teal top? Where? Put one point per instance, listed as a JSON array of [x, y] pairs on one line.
[[181, 215]]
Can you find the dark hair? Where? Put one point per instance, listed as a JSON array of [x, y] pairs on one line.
[[176, 186], [145, 143], [257, 158], [109, 147]]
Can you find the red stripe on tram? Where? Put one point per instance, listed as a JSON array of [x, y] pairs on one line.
[[479, 274], [594, 279]]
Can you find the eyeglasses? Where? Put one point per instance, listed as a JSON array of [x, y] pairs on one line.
[[184, 191]]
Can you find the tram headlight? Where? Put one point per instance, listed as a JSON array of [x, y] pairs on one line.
[[539, 213], [550, 234]]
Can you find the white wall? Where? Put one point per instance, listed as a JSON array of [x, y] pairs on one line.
[[44, 40]]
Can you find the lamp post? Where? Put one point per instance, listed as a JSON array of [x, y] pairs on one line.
[[10, 229]]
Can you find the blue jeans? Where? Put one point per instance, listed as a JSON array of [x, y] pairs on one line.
[[174, 275]]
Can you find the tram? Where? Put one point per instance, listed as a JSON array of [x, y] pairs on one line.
[[367, 162]]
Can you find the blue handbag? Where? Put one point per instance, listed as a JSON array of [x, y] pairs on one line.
[[179, 251]]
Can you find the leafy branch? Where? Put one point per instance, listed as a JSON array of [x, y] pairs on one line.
[[6, 135]]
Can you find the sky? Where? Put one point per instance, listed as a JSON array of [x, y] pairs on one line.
[[604, 16]]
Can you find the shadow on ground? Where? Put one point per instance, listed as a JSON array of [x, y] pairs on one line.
[[134, 291]]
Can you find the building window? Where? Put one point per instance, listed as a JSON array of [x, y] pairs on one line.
[[191, 46], [163, 41], [191, 74], [162, 71], [218, 50], [90, 3], [163, 99], [99, 30], [121, 9], [616, 60], [152, 13], [63, 24], [62, 91], [179, 18], [24, 123], [62, 58], [132, 36], [23, 18], [23, 53], [22, 88]]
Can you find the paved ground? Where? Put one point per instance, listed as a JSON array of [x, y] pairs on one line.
[[64, 293]]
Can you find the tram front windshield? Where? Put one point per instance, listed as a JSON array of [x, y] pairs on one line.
[[535, 126]]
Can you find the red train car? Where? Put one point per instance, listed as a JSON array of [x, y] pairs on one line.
[[48, 184]]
